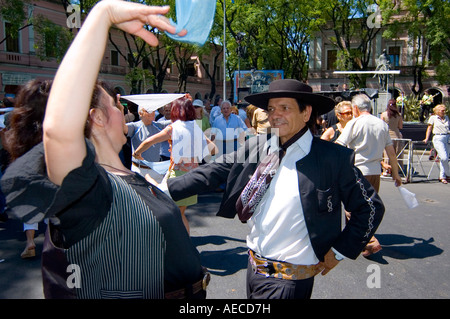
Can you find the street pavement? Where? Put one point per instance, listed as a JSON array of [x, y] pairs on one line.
[[413, 264]]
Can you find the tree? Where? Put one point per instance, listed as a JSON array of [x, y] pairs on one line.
[[352, 34], [212, 75], [277, 35], [288, 28], [181, 55], [14, 12], [428, 26], [158, 62], [52, 40]]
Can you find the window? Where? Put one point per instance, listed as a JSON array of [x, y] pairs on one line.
[[218, 73], [12, 43], [146, 63], [130, 57], [191, 69], [331, 59], [394, 56], [114, 57]]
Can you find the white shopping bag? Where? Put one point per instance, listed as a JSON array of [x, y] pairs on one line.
[[409, 198]]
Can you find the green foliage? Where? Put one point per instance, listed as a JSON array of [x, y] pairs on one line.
[[14, 12], [52, 40], [411, 106], [139, 79], [351, 34], [443, 72], [277, 34], [424, 20]]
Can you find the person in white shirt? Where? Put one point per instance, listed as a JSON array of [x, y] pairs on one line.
[[215, 110], [368, 136], [228, 130], [138, 132], [438, 124]]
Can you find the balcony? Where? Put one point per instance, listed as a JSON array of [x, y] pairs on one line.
[[113, 69], [27, 59], [14, 58]]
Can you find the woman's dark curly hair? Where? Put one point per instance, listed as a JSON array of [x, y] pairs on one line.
[[25, 130]]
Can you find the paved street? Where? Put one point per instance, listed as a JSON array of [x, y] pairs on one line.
[[413, 264]]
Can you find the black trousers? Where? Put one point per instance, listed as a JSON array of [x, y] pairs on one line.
[[260, 287]]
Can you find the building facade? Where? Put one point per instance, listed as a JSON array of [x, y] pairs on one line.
[[402, 55]]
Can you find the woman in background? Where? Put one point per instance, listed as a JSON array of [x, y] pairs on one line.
[[343, 111], [438, 124], [394, 120], [24, 132]]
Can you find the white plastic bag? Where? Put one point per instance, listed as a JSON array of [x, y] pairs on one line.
[[409, 198]]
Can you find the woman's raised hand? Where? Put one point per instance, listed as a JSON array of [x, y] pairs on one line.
[[131, 17]]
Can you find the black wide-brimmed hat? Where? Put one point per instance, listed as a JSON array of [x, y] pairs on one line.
[[293, 89]]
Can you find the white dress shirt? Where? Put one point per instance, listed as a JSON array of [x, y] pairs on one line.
[[278, 228]]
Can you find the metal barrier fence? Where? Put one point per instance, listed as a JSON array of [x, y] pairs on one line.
[[415, 160]]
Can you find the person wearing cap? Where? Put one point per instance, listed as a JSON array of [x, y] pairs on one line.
[[292, 206], [138, 132], [200, 117]]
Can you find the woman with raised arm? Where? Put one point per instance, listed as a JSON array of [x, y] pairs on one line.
[[112, 234]]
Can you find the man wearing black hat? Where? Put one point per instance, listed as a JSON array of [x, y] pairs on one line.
[[289, 188]]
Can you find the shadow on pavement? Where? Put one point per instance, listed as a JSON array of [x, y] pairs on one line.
[[222, 262], [403, 247]]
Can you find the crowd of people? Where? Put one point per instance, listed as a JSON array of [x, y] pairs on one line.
[[104, 207]]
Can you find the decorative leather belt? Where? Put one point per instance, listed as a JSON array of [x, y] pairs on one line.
[[282, 270], [141, 166], [195, 288]]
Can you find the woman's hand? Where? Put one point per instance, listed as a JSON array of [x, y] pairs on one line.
[[138, 156], [132, 17]]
